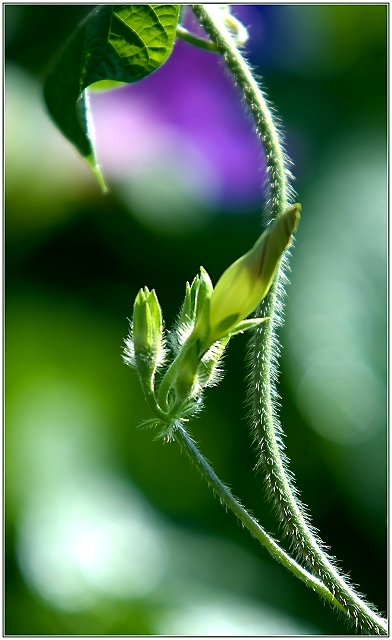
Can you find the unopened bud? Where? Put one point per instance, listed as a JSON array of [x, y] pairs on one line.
[[247, 281], [147, 328]]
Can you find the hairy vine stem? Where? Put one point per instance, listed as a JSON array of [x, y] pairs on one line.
[[179, 433], [265, 351]]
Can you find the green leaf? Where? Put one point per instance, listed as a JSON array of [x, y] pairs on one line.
[[114, 43]]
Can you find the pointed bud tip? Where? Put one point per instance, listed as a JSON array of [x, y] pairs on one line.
[[297, 210], [141, 296]]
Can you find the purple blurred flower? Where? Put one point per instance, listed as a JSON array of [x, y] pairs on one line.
[[188, 110]]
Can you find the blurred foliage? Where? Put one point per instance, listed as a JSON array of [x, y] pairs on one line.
[[87, 493]]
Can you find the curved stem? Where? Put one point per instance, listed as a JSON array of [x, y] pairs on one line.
[[304, 538], [265, 346], [148, 389], [179, 433]]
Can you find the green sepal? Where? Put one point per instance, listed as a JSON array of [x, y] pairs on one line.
[[141, 324], [209, 373], [156, 322], [202, 319], [245, 325], [188, 310], [186, 378], [149, 424]]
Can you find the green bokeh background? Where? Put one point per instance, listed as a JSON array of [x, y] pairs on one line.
[[74, 262]]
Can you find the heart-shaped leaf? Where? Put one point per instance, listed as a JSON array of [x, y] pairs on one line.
[[116, 43]]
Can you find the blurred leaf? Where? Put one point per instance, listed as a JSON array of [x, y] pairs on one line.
[[121, 43]]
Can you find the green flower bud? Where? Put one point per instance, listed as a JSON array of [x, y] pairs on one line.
[[147, 329], [247, 281]]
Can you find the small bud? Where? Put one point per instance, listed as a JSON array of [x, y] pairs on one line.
[[237, 29], [147, 329], [247, 281]]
